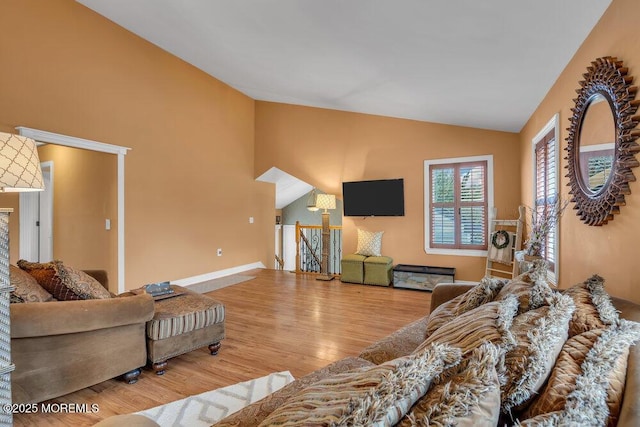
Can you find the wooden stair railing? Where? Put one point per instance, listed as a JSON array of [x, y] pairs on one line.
[[302, 241], [280, 262]]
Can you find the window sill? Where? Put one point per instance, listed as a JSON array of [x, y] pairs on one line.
[[456, 252]]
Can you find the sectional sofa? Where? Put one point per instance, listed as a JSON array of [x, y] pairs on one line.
[[59, 347], [498, 353]]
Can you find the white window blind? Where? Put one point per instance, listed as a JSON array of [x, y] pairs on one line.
[[547, 189], [596, 167], [458, 205]]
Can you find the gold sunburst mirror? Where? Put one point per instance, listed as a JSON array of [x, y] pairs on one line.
[[601, 143]]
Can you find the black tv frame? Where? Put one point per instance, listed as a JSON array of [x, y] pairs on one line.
[[372, 198]]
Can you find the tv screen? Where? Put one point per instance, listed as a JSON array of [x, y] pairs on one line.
[[384, 197]]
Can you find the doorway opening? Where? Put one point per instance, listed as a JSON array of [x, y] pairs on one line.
[[36, 220], [41, 136]]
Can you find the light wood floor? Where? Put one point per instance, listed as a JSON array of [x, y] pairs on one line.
[[276, 322]]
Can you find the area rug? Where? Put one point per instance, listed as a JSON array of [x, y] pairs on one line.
[[209, 407], [221, 282]]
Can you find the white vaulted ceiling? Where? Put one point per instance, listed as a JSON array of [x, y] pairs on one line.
[[484, 64], [288, 187]]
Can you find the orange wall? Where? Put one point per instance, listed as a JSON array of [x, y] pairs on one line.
[[84, 195], [189, 176], [608, 250], [326, 147]]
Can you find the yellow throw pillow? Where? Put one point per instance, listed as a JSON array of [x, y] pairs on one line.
[[369, 243]]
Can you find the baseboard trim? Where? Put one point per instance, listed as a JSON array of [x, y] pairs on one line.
[[217, 274]]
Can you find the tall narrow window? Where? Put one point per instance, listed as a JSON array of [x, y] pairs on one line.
[[546, 189], [458, 205]]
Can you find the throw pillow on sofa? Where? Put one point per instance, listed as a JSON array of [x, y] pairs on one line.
[[540, 334], [483, 292], [488, 323], [27, 288], [63, 282], [46, 276], [531, 288], [80, 283], [594, 309], [466, 395], [587, 382], [566, 370], [380, 395]]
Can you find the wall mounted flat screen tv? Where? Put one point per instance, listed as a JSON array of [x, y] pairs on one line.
[[384, 197]]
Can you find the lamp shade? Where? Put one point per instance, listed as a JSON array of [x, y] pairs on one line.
[[311, 201], [326, 201], [19, 164]]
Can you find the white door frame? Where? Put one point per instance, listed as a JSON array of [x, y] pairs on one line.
[[552, 124], [289, 247], [86, 144], [46, 214], [36, 240]]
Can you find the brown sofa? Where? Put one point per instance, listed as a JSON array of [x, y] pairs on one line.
[[407, 339], [59, 347]]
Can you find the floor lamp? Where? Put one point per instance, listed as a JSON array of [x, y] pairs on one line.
[[325, 201], [19, 171]]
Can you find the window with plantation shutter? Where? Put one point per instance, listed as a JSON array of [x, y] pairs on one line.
[[596, 164], [458, 205], [546, 189]]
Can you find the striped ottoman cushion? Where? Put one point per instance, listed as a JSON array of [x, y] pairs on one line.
[[183, 314]]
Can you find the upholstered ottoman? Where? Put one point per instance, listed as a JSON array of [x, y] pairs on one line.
[[181, 324], [352, 268], [378, 270]]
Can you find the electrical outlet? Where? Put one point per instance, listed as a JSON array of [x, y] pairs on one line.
[[250, 220], [219, 252]]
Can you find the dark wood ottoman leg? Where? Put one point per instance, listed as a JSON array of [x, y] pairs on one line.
[[165, 340], [160, 367], [214, 348], [131, 377]]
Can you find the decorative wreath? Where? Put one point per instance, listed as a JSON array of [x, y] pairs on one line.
[[500, 239]]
